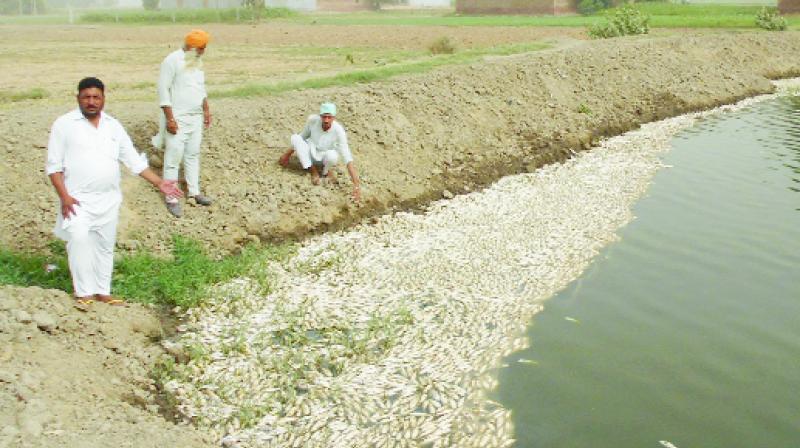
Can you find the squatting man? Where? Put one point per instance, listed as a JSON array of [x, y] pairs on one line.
[[184, 103], [83, 155], [321, 144]]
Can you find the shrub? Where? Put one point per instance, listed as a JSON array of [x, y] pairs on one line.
[[442, 45], [150, 5], [770, 19], [625, 21]]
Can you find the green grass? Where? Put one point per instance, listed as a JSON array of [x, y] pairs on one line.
[[44, 19], [32, 269], [378, 73], [669, 15], [182, 280], [36, 93], [194, 16], [440, 19], [664, 15]]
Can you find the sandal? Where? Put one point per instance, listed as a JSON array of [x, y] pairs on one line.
[[82, 304], [108, 300]]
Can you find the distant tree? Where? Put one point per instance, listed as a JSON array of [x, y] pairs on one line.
[[256, 7], [376, 4], [23, 7], [150, 5]]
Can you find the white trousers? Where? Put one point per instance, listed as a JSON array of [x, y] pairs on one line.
[[90, 251], [184, 146], [307, 155]]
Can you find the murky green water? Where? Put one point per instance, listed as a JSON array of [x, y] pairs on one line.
[[688, 329]]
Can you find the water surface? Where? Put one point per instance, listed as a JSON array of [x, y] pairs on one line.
[[688, 329]]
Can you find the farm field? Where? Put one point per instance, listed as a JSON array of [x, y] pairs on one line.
[[517, 94], [52, 57]]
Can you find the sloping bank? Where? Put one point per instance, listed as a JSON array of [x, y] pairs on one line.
[[415, 138]]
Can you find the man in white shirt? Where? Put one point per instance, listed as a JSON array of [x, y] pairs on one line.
[[83, 155], [323, 142], [183, 100]]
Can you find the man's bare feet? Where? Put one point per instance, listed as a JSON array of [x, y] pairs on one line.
[[284, 160], [332, 177], [314, 175]]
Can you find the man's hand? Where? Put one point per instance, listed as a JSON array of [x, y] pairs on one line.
[[207, 119], [170, 188], [68, 204], [357, 193], [172, 126]]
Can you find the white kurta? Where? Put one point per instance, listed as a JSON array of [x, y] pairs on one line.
[[183, 89], [89, 158], [313, 145]]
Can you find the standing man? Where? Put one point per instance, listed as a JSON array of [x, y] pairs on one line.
[[83, 155], [322, 143], [182, 97]]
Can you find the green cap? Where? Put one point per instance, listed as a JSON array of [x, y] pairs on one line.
[[327, 109]]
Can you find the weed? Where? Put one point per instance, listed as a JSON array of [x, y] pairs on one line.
[[442, 45], [584, 109]]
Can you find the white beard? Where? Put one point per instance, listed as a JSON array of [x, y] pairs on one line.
[[193, 61]]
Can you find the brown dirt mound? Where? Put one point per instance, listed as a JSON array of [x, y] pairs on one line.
[[455, 129], [80, 379]]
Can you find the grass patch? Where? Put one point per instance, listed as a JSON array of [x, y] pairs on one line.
[[663, 14], [378, 73], [46, 271], [36, 93], [195, 16], [182, 280]]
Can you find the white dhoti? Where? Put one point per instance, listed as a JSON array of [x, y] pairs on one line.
[[184, 146], [90, 235], [308, 154]]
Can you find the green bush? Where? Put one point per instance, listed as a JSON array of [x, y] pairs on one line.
[[625, 21], [150, 5], [770, 19]]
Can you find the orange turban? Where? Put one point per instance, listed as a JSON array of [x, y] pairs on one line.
[[197, 39]]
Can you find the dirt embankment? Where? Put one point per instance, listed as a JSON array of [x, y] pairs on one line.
[[416, 138], [73, 379]]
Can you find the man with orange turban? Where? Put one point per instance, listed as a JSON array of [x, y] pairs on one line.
[[183, 100]]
